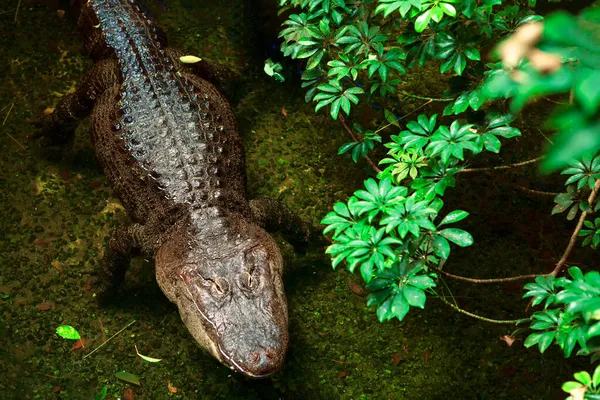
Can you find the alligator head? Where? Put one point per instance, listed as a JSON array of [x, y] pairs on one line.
[[225, 275]]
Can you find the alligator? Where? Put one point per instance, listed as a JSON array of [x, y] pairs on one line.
[[167, 141]]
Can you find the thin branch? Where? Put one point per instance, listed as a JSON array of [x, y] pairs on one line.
[[109, 339], [487, 281], [414, 96], [561, 263], [532, 191], [508, 166], [16, 141], [493, 321], [418, 108], [519, 187], [17, 11], [347, 128], [8, 113]]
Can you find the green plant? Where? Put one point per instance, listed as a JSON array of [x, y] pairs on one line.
[[587, 387], [389, 232], [562, 55]]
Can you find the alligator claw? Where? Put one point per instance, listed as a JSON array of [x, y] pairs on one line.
[[49, 133]]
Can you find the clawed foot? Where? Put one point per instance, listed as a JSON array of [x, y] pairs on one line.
[[49, 134], [103, 291]]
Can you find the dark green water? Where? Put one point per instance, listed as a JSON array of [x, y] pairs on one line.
[[57, 211]]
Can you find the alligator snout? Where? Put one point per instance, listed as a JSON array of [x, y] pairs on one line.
[[264, 362]]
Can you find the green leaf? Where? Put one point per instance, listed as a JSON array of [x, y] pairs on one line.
[[422, 22], [102, 394], [458, 236], [400, 307], [441, 247], [128, 377], [586, 89], [68, 332], [454, 216], [583, 377], [596, 377], [569, 386], [414, 296]]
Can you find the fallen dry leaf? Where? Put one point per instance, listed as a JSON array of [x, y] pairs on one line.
[[578, 393], [127, 394], [58, 265], [44, 241], [427, 355], [172, 389], [284, 112], [48, 111], [508, 371], [45, 305], [508, 339], [396, 358], [79, 344]]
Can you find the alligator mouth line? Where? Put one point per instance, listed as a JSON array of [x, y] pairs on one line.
[[221, 351]]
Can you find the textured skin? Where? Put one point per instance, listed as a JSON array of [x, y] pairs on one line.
[[167, 141]]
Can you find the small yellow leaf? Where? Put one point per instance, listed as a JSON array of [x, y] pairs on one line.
[[578, 393], [149, 359], [189, 59]]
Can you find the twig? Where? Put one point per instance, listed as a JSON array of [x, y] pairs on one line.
[[102, 329], [553, 101], [414, 96], [17, 11], [560, 264], [109, 339], [16, 141], [521, 188], [418, 108], [508, 166], [494, 321], [532, 191], [343, 122], [8, 134], [486, 281], [8, 113]]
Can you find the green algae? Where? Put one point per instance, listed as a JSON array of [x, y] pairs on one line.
[[58, 211]]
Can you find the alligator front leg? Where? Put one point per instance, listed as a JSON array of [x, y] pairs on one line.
[[124, 243], [56, 127], [272, 215]]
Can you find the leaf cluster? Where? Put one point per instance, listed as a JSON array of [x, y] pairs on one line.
[[570, 316], [389, 233]]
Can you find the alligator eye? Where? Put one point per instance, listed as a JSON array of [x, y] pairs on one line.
[[220, 287], [250, 280]]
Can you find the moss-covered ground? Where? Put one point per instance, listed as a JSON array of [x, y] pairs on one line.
[[57, 211]]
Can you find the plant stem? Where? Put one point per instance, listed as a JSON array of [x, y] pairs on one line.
[[17, 11], [493, 321], [508, 166], [414, 96], [347, 128], [109, 339], [486, 281], [561, 263]]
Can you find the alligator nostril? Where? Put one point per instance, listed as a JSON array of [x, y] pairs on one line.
[[270, 354], [255, 357]]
